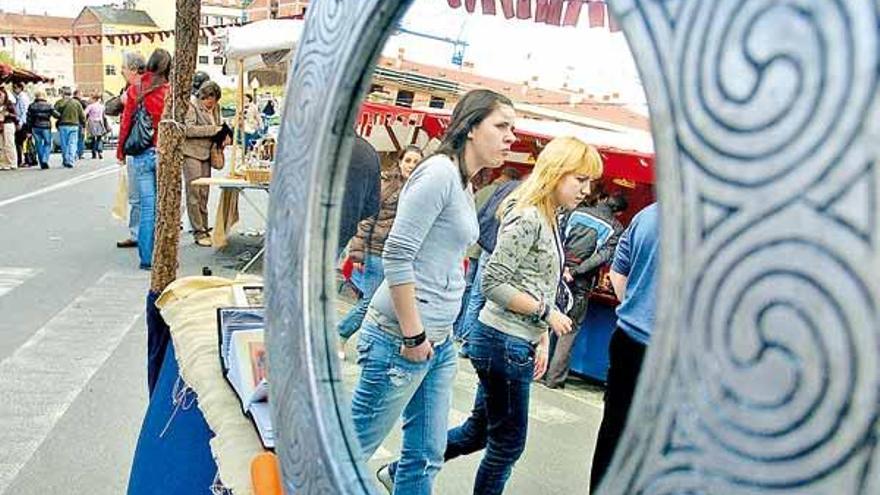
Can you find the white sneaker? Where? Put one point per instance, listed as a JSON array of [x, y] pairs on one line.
[[384, 477]]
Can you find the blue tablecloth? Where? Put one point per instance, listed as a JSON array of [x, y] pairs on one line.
[[173, 456], [589, 357]]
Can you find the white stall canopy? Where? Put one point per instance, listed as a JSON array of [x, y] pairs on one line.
[[261, 44]]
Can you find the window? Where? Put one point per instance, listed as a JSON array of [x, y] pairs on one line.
[[377, 88], [205, 20], [218, 60], [109, 70], [203, 40], [437, 102], [203, 59], [404, 98]]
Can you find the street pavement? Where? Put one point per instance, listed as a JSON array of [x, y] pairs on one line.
[[72, 348]]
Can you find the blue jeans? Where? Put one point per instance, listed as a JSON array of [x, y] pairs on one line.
[[80, 143], [476, 300], [134, 200], [469, 279], [43, 142], [390, 385], [69, 136], [499, 420], [145, 174], [367, 282]]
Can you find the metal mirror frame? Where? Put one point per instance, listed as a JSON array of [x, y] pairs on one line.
[[765, 121]]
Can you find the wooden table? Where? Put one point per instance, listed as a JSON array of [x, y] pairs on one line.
[[240, 186]]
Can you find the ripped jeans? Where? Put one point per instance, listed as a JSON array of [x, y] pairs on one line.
[[391, 385]]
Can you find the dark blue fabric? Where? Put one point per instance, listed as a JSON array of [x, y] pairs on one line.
[[362, 189], [158, 337], [178, 462], [499, 421], [488, 218], [636, 257]]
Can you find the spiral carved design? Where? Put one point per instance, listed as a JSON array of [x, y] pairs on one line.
[[764, 373], [762, 84], [771, 348]]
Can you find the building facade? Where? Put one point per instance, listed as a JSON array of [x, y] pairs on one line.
[[259, 10], [52, 59], [97, 65]]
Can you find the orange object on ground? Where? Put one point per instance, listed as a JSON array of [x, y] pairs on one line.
[[266, 474]]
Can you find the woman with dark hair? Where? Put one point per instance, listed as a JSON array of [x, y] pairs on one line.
[[408, 362], [201, 127], [145, 99], [365, 248]]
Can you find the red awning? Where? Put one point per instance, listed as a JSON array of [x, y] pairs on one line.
[[553, 12], [406, 126], [9, 74]]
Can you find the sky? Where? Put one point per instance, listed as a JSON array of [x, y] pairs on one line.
[[596, 60]]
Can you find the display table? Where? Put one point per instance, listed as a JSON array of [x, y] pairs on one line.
[[227, 208], [188, 437]]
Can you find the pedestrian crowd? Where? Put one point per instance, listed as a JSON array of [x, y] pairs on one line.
[[26, 137], [534, 248]]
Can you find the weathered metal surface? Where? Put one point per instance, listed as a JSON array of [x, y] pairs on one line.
[[764, 371]]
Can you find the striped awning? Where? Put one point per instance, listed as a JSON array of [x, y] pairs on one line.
[[553, 12]]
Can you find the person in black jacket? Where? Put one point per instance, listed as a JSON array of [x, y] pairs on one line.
[[362, 189], [591, 237], [39, 121]]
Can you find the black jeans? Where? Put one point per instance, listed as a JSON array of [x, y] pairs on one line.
[[499, 420], [97, 146], [625, 361]]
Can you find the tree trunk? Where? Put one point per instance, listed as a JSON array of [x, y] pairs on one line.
[[170, 159]]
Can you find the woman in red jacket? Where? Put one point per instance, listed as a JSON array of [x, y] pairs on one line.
[[150, 92]]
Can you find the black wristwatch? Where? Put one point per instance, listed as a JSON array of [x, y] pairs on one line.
[[546, 312], [541, 314], [415, 340]]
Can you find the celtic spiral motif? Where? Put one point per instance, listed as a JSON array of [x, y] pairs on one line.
[[764, 375], [763, 82], [776, 360], [774, 367]]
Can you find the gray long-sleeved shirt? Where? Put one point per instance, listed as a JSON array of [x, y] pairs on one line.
[[435, 223], [526, 258]]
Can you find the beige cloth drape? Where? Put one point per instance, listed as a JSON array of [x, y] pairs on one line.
[[227, 217], [189, 306]]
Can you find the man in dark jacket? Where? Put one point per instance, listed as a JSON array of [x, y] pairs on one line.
[[81, 138], [362, 189], [71, 119], [591, 236], [39, 122]]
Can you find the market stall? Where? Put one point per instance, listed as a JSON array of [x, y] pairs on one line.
[[628, 157], [261, 45], [11, 75]]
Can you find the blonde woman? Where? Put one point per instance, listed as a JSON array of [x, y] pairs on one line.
[[508, 348]]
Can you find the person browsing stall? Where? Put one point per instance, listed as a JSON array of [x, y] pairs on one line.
[[201, 128]]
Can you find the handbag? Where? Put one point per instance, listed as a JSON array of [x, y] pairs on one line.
[[218, 160], [140, 136]]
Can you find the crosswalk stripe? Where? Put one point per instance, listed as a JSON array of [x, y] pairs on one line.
[[10, 278], [46, 374]]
